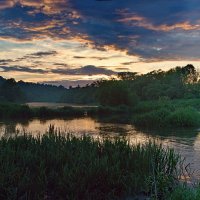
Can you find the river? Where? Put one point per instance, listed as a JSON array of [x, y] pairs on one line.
[[186, 142]]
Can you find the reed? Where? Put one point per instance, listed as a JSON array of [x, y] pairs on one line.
[[57, 166]]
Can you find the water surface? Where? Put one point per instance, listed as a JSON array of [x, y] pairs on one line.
[[57, 105], [184, 141]]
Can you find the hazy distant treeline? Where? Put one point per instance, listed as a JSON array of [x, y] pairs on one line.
[[12, 91], [127, 89]]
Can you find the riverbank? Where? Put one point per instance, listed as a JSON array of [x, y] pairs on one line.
[[18, 111], [164, 113], [167, 113], [55, 166], [147, 114]]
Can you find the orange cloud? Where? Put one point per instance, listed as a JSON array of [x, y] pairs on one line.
[[6, 4], [45, 6], [145, 23]]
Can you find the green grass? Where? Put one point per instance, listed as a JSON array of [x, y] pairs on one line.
[[185, 193], [184, 117], [167, 114], [54, 166]]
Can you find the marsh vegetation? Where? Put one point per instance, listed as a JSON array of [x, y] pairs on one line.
[[57, 166]]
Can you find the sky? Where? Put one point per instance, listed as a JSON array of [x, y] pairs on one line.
[[72, 42]]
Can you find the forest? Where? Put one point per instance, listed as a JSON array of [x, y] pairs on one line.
[[128, 87]]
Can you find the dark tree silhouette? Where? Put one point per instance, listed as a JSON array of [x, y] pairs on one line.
[[11, 92]]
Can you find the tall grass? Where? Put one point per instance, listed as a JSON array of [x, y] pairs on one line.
[[184, 117], [166, 114], [55, 166], [185, 193]]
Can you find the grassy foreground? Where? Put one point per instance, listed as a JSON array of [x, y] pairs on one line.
[[54, 166]]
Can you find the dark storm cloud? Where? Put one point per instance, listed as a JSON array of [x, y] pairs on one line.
[[158, 30]]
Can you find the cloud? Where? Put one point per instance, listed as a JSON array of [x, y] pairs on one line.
[[123, 68], [128, 63], [89, 70], [6, 61], [80, 57], [21, 69], [41, 54], [6, 4], [35, 55], [94, 57], [60, 64], [162, 30], [138, 21]]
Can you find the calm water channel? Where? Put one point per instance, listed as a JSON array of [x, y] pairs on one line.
[[185, 141]]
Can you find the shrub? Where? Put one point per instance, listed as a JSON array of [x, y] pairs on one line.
[[153, 118], [184, 117]]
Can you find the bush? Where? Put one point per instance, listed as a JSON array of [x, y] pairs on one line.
[[153, 118], [184, 117], [161, 113]]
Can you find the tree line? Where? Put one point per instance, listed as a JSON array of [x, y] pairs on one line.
[[129, 87], [126, 89]]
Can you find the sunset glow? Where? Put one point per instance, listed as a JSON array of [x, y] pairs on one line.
[[80, 41]]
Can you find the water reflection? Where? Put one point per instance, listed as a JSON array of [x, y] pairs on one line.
[[57, 105], [184, 141]]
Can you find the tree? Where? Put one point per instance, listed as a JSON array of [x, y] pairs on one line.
[[127, 76], [190, 74], [115, 93], [11, 92]]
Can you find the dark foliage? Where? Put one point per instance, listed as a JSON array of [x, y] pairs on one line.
[[65, 167], [11, 92]]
